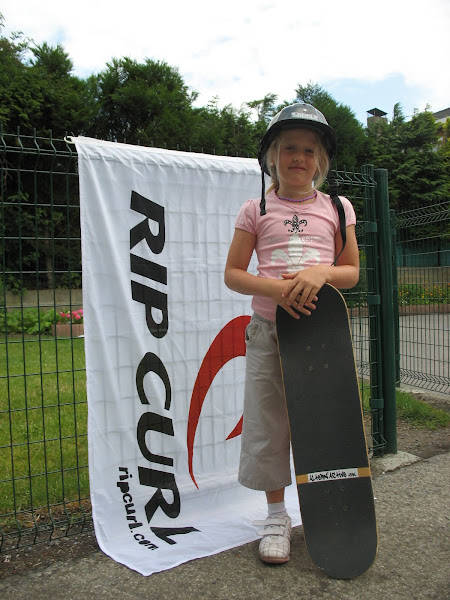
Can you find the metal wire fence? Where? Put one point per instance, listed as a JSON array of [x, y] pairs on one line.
[[44, 490], [44, 487], [423, 274]]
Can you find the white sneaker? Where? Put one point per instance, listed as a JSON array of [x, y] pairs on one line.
[[275, 545]]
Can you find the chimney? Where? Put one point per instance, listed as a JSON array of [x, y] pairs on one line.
[[376, 115]]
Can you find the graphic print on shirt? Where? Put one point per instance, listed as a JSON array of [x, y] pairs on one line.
[[296, 258], [295, 224]]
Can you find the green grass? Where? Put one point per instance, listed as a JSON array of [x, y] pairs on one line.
[[417, 412], [420, 413], [43, 423]]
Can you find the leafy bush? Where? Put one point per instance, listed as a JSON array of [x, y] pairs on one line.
[[33, 321], [423, 294], [2, 293]]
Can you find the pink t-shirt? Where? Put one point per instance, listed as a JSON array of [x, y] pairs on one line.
[[291, 237]]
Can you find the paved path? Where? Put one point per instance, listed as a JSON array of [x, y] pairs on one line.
[[413, 505]]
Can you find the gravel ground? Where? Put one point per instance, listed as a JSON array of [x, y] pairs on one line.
[[420, 442]]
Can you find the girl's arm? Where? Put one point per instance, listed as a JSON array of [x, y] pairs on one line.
[[304, 285], [238, 279]]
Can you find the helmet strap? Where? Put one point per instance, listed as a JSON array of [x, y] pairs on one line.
[[262, 204]]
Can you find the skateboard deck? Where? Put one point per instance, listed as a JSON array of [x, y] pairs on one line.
[[327, 437]]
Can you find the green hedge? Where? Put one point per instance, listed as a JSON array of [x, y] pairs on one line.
[[413, 294], [30, 321]]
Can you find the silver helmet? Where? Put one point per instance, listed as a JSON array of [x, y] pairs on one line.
[[292, 117]]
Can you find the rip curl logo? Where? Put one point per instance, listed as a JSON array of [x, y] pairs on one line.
[[228, 344], [295, 224]]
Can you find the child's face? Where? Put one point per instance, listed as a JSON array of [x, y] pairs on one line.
[[296, 165]]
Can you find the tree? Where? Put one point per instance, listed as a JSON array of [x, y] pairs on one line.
[[19, 97], [444, 150], [265, 110], [143, 102], [237, 129], [420, 178], [409, 150], [37, 94], [207, 134], [226, 131], [41, 93], [54, 61], [66, 103]]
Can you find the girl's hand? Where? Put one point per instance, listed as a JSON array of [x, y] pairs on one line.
[[302, 288], [278, 286]]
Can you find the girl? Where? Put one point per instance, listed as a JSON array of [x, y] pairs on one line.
[[295, 231]]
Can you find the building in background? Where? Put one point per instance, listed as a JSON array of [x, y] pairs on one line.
[[376, 115]]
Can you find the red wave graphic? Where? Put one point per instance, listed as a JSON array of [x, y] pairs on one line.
[[237, 430], [228, 344]]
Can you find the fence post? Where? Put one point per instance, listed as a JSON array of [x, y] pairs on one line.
[[373, 304], [395, 297], [387, 309]]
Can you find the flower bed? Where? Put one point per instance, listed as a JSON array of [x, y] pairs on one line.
[[34, 321], [70, 324]]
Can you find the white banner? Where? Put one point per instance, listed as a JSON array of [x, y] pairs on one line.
[[164, 353]]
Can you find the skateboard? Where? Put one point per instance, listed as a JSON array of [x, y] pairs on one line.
[[327, 436]]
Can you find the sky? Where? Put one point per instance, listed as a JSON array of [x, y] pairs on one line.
[[366, 55]]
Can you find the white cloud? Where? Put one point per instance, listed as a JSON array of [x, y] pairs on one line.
[[243, 49]]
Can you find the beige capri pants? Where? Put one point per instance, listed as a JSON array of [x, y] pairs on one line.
[[265, 441]]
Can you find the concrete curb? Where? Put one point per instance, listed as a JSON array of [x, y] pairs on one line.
[[391, 462]]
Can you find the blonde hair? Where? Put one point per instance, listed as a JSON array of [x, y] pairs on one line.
[[320, 154]]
